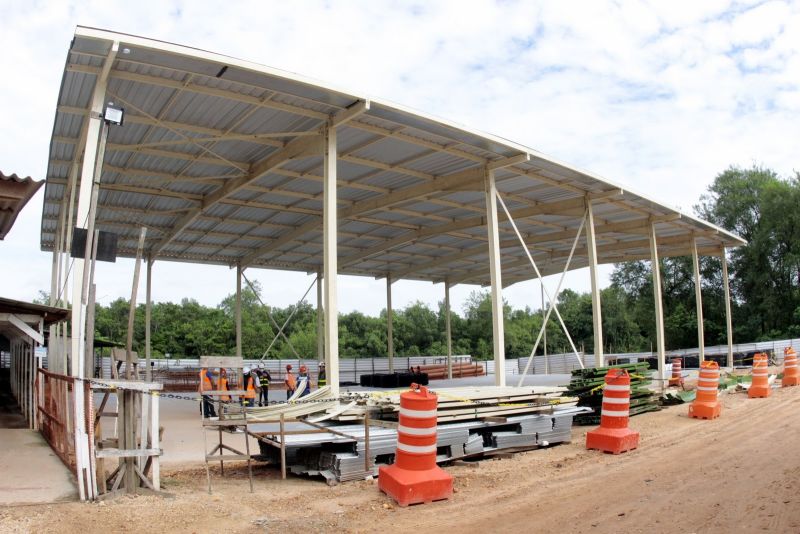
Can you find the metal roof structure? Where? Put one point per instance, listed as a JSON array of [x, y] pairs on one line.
[[15, 192], [48, 314], [221, 160]]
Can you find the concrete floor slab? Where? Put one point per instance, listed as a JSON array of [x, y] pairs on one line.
[[32, 473]]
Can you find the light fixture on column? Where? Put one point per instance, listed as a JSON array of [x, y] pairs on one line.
[[114, 115]]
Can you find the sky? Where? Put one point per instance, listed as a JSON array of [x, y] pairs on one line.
[[659, 97]]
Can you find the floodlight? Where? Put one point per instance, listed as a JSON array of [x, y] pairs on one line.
[[114, 115]]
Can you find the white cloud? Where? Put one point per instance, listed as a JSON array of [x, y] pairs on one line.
[[659, 96]]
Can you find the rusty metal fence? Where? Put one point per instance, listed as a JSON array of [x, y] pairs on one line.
[[56, 409]]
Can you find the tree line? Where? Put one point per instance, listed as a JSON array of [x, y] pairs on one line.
[[755, 203]]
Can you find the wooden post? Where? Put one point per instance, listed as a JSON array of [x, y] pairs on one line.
[[366, 442], [155, 440], [283, 449], [132, 310], [498, 333], [238, 319], [728, 320]]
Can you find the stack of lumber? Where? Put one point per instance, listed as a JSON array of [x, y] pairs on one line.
[[587, 384], [439, 371], [468, 403], [317, 401]]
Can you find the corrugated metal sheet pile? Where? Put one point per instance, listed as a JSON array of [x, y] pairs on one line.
[[587, 385]]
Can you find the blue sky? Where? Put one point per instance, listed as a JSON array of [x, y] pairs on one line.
[[659, 96]]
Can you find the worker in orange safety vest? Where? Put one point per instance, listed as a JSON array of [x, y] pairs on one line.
[[290, 381], [222, 384], [206, 384], [249, 398]]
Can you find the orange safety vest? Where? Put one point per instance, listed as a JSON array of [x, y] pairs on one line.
[[223, 386], [291, 381], [251, 391], [205, 383]]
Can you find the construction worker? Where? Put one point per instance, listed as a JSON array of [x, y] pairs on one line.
[[263, 400], [222, 384], [256, 384], [290, 381], [249, 398], [322, 380], [304, 381], [206, 384]]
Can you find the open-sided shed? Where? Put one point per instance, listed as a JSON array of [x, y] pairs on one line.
[[233, 163]]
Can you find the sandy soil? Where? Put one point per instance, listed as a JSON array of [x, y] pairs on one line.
[[740, 473]]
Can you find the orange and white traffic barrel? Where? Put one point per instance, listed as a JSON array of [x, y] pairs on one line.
[[706, 404], [414, 477], [677, 376], [613, 434], [791, 373], [759, 388]]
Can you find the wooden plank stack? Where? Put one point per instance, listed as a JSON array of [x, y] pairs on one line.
[[587, 385], [469, 403]]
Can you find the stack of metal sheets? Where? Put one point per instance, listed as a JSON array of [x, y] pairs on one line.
[[339, 459]]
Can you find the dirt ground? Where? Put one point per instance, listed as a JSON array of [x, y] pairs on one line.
[[740, 473]]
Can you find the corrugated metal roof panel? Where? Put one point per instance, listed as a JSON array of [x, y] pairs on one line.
[[203, 95]]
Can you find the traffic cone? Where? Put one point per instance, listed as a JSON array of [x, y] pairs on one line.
[[791, 374], [414, 477], [759, 388], [613, 434], [677, 377], [706, 405]]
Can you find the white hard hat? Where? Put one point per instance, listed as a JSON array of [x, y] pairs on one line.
[[246, 370]]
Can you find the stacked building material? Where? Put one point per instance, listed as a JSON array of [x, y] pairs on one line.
[[338, 458], [587, 385], [393, 380], [467, 403], [439, 371]]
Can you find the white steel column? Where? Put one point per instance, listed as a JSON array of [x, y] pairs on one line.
[[597, 315], [389, 324], [91, 149], [447, 330], [320, 332], [330, 260], [498, 335], [237, 311], [659, 308], [148, 313], [698, 297], [544, 333], [728, 320]]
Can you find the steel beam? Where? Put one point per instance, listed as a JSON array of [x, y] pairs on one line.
[[698, 297], [301, 147], [659, 306], [320, 327], [498, 335], [447, 329], [330, 260], [597, 316], [389, 324], [728, 318], [148, 308]]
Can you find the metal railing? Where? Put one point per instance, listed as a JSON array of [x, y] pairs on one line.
[[56, 411]]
